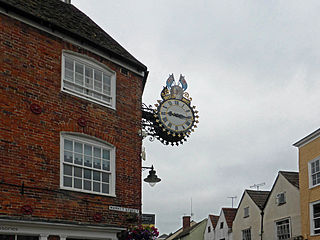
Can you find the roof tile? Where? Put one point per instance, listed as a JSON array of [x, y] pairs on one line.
[[259, 197], [292, 177], [229, 214]]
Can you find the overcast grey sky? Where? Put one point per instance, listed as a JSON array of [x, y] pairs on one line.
[[253, 72]]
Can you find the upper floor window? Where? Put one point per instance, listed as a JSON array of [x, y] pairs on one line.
[[88, 79], [281, 198], [283, 229], [87, 165], [209, 229], [315, 218], [221, 225], [314, 172], [246, 212]]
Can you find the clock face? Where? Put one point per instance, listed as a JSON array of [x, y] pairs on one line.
[[176, 115]]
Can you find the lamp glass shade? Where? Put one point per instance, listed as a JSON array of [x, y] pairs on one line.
[[152, 178]]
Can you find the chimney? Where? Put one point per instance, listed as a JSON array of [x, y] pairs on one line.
[[185, 222]]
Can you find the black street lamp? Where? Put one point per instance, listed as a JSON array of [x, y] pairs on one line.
[[152, 178]]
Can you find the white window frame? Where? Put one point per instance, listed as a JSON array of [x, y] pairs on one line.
[[311, 185], [276, 227], [245, 212], [92, 64], [312, 227], [278, 198], [93, 141], [245, 232]]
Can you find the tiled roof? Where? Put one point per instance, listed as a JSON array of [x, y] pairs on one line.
[[69, 20], [214, 220], [229, 214], [292, 177], [259, 197]]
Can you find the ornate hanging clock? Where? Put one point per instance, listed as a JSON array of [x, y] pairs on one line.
[[174, 118]]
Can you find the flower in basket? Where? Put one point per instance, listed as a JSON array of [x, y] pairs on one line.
[[143, 233]]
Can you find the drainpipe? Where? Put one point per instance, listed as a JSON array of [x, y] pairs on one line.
[[261, 232]]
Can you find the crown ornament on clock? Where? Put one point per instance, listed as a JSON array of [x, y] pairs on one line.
[[173, 119]]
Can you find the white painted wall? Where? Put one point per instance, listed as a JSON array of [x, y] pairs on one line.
[[291, 209], [253, 221], [222, 233], [209, 235]]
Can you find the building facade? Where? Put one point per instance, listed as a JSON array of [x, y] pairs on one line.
[[248, 221], [191, 232], [282, 210], [209, 233], [70, 115], [309, 182], [224, 227]]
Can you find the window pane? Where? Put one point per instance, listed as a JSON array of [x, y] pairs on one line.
[[106, 154], [78, 183], [68, 85], [67, 170], [88, 161], [316, 210], [313, 169], [78, 147], [67, 181], [67, 156], [87, 174], [68, 75], [96, 186], [78, 159], [96, 175], [97, 163], [87, 185], [97, 152], [89, 78], [105, 188], [68, 145], [79, 74], [68, 64], [106, 99], [105, 177], [317, 223], [106, 165], [78, 172], [78, 89], [106, 84], [87, 150], [98, 80]]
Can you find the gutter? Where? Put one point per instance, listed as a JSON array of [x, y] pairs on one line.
[[261, 230]]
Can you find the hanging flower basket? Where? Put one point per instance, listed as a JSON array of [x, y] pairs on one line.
[[143, 233]]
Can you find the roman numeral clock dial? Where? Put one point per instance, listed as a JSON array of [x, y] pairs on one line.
[[176, 116]]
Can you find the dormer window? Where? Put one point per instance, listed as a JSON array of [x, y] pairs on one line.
[[88, 79], [281, 198]]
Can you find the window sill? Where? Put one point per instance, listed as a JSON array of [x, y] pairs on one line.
[[87, 192], [87, 98]]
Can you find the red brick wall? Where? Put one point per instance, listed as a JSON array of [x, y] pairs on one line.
[[30, 72]]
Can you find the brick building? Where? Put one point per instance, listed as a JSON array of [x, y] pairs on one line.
[[70, 113]]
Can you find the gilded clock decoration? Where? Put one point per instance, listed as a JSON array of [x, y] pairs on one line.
[[174, 118]]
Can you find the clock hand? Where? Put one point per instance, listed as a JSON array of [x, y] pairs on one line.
[[178, 115]]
